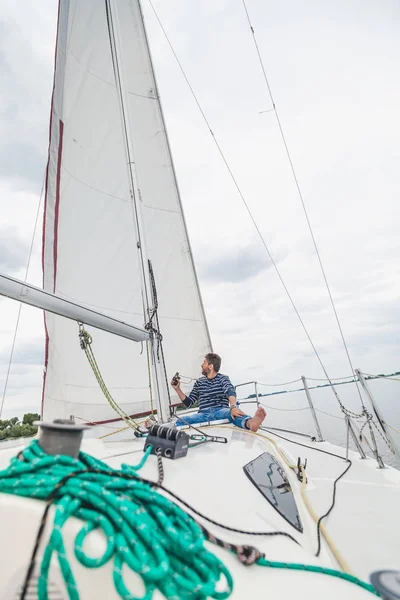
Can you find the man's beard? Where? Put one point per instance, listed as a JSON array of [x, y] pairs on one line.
[[204, 372]]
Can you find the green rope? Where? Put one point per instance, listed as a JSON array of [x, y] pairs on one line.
[[86, 345], [263, 562], [144, 530]]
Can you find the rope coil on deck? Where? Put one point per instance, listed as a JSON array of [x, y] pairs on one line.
[[144, 530]]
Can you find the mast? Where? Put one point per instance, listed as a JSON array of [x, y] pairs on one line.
[[146, 41], [158, 374]]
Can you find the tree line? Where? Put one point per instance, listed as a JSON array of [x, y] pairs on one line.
[[14, 428]]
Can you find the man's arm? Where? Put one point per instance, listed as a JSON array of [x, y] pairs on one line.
[[232, 400], [187, 400], [230, 391]]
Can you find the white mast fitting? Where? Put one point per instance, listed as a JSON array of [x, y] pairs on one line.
[[34, 296]]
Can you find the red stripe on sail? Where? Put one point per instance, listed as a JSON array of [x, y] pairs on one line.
[[46, 352], [135, 416], [57, 204]]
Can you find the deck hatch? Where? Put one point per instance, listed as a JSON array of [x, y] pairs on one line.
[[269, 477]]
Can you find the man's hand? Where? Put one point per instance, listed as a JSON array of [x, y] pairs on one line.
[[236, 412], [176, 384]]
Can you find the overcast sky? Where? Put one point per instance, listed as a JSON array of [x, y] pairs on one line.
[[334, 73]]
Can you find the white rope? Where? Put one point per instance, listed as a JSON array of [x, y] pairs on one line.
[[332, 378], [329, 414], [278, 384], [284, 409]]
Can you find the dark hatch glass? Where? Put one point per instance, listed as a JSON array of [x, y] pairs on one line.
[[270, 479]]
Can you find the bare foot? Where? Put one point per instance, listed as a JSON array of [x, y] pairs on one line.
[[254, 423]]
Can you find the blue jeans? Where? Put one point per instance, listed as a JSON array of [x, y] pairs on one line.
[[213, 414]]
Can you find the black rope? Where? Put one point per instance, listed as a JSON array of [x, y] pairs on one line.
[[303, 445], [160, 467], [247, 555], [153, 287], [43, 521], [209, 520], [153, 313], [330, 508], [334, 484], [156, 330]]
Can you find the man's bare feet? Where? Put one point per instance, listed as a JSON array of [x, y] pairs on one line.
[[254, 423]]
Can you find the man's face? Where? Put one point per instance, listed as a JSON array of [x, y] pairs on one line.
[[205, 367]]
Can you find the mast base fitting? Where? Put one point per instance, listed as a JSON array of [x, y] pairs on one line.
[[167, 441]]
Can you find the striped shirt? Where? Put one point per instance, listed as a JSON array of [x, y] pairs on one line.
[[211, 393]]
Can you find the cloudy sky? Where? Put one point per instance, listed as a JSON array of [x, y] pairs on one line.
[[334, 73]]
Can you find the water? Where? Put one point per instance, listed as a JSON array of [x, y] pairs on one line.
[[291, 411]]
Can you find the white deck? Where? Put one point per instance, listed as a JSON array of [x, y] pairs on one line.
[[364, 523]]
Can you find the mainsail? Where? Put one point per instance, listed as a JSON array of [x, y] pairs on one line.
[[90, 246]]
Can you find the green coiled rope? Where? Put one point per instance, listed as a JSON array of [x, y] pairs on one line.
[[144, 530]]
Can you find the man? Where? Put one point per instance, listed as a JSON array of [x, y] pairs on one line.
[[216, 397]]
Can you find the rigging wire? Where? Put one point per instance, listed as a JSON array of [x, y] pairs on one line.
[[367, 375], [300, 194], [394, 428], [234, 180], [20, 304]]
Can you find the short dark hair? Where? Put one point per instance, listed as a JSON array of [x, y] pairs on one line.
[[214, 360]]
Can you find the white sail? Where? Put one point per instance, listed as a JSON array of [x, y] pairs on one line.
[[90, 252]]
